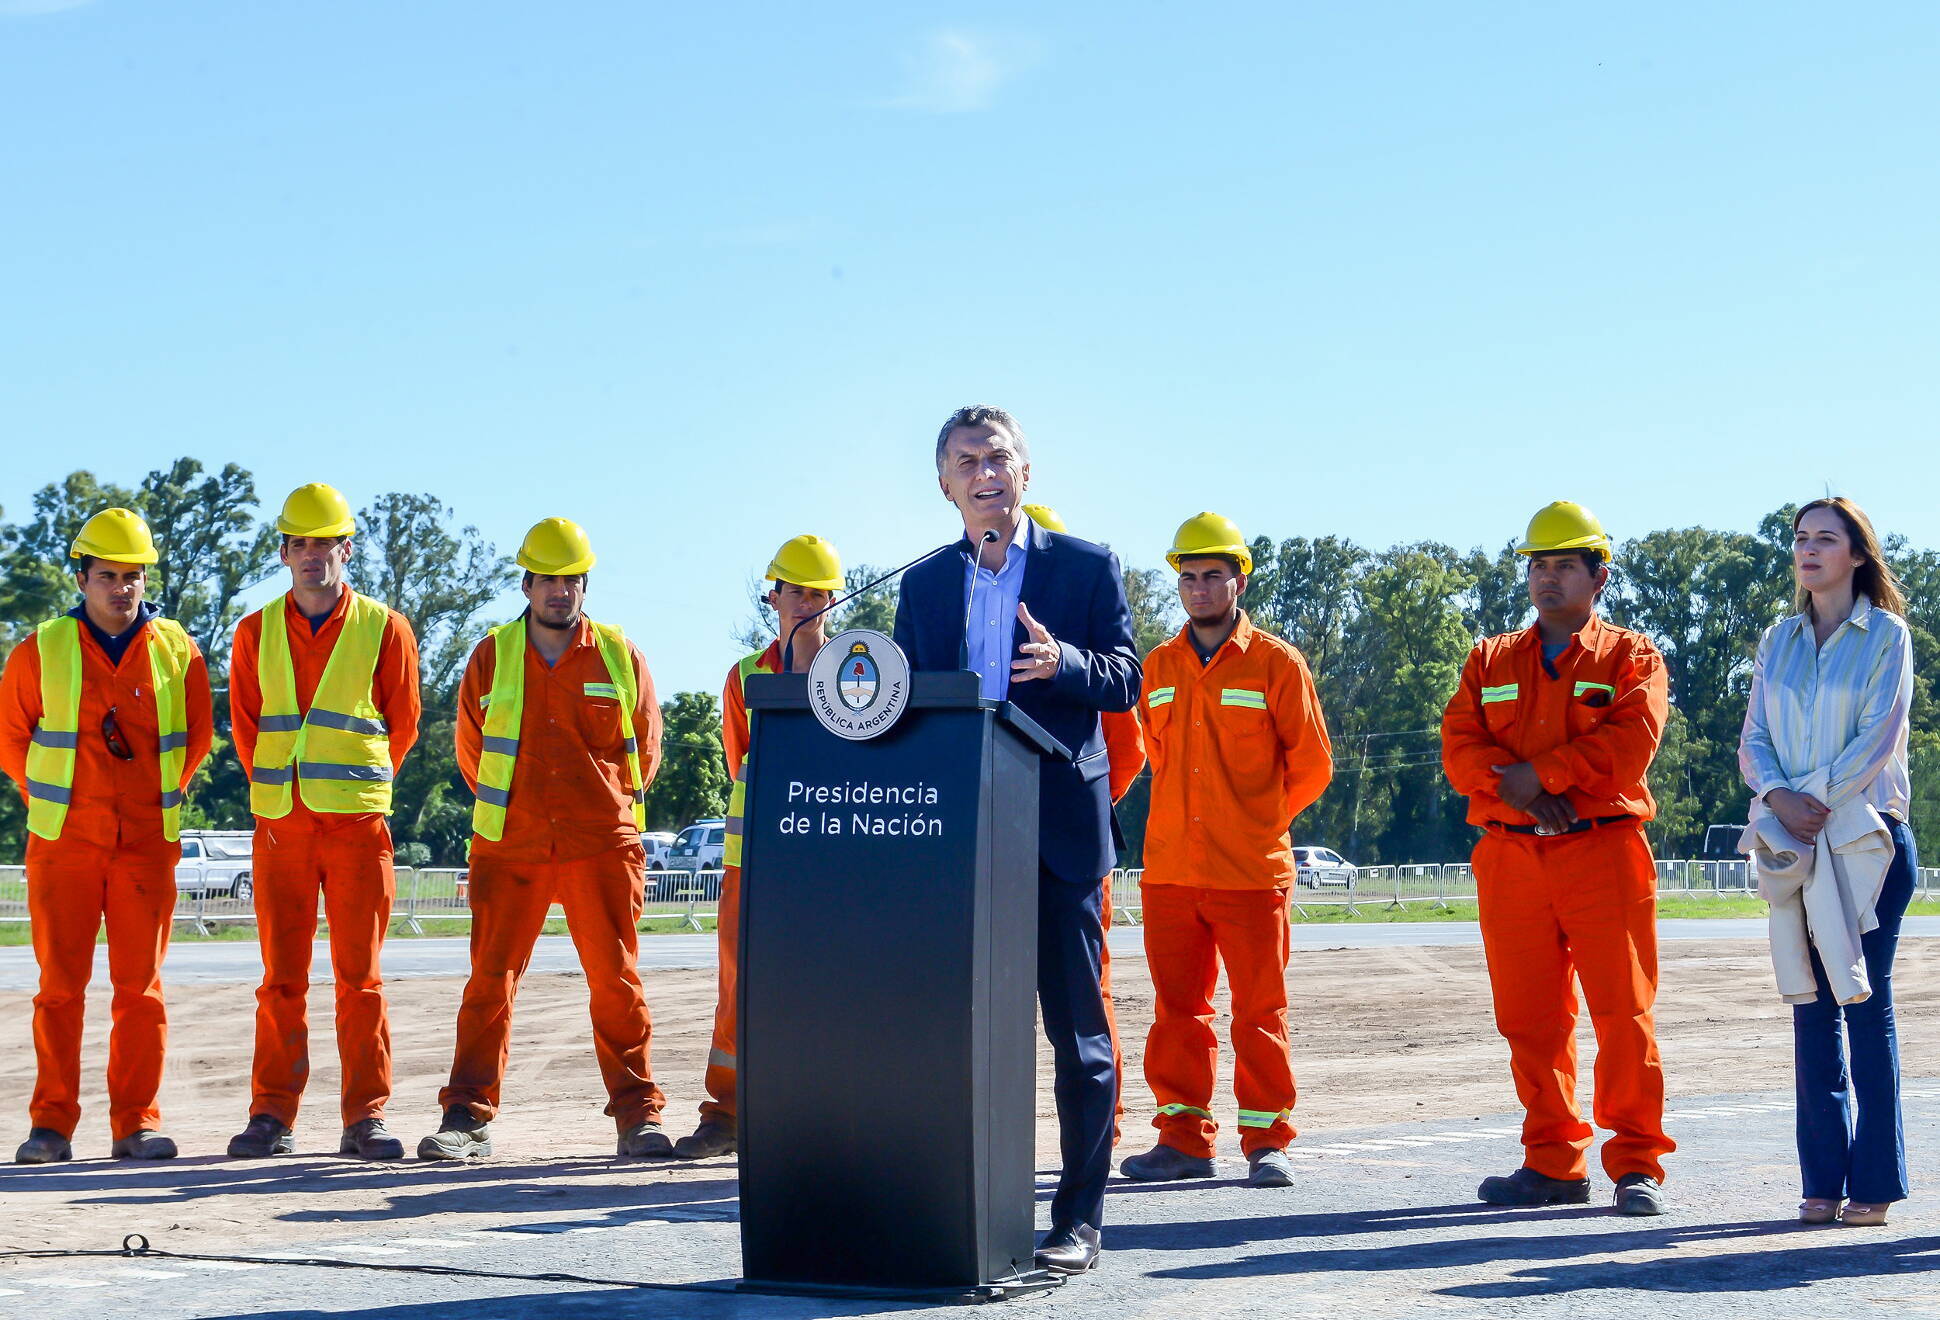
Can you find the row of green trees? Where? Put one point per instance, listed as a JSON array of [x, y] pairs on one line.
[[1385, 631]]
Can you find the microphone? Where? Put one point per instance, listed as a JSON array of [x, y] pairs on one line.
[[788, 647], [970, 605]]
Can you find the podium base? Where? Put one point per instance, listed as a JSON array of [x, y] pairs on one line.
[[1001, 1290]]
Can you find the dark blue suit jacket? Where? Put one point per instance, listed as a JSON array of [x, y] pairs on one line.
[[1075, 589]]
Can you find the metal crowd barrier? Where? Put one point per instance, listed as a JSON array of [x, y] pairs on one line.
[[424, 893], [441, 893]]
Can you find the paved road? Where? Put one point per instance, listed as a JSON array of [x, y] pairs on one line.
[[238, 961], [1381, 1224]]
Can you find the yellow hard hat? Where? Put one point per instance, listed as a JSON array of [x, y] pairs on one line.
[[117, 534], [1209, 534], [316, 510], [1046, 517], [1564, 526], [556, 547], [807, 561]]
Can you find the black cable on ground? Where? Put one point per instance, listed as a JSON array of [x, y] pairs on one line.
[[135, 1247]]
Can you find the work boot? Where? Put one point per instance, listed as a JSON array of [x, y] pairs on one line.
[[1527, 1187], [1164, 1164], [1639, 1194], [369, 1139], [262, 1138], [144, 1145], [713, 1137], [43, 1146], [460, 1136], [1269, 1168], [645, 1141]]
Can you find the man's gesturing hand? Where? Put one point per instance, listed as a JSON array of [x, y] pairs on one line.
[[1038, 657]]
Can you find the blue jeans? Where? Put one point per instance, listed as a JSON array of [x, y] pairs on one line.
[[1838, 1157]]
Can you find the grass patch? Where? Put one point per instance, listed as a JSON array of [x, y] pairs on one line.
[[1670, 906], [1371, 911]]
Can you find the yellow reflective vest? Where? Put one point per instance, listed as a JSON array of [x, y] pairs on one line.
[[738, 795], [505, 710], [339, 749], [57, 737]]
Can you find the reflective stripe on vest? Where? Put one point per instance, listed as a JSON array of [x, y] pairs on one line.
[[738, 795], [1247, 697], [339, 749], [505, 709], [51, 758], [1262, 1118], [1582, 687], [1502, 692], [1161, 696]]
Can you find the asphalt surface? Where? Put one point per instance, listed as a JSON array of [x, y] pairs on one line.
[[239, 961], [1381, 1222]]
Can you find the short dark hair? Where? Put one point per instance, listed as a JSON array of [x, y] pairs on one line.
[[525, 578], [87, 566], [1592, 559], [981, 414], [1231, 561], [332, 539]]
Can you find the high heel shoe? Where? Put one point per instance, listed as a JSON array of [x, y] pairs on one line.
[[1818, 1210], [1856, 1215]]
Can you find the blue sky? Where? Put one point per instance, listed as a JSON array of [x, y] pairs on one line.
[[704, 277]]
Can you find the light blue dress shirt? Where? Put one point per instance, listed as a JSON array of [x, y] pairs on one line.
[[1845, 707], [993, 615]]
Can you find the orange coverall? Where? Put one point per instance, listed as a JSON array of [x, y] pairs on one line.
[[344, 856], [720, 1077], [569, 838], [1125, 755], [111, 862], [1582, 904], [1239, 748]]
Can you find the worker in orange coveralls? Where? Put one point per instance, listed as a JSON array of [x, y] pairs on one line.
[[1125, 755], [104, 718], [1238, 747], [323, 700], [558, 736], [806, 573], [1550, 737]]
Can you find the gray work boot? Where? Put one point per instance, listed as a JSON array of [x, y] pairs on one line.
[[460, 1136], [43, 1146], [1269, 1168], [1164, 1164], [369, 1139], [645, 1141], [144, 1145], [262, 1138], [1527, 1187], [713, 1137], [1639, 1194]]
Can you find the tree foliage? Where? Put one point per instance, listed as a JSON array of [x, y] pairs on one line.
[[1385, 631]]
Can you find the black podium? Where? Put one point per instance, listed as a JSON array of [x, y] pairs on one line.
[[887, 1045]]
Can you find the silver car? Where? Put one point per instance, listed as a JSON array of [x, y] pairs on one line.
[[1321, 867]]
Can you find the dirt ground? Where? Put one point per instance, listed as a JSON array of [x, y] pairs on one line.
[[1380, 1036]]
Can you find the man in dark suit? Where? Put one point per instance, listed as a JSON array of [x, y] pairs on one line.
[[1050, 630]]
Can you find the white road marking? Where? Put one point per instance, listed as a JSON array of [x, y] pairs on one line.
[[65, 1281], [446, 1243]]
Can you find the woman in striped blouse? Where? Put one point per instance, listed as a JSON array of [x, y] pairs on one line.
[[1832, 691]]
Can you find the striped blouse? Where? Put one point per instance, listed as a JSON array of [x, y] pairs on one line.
[[1845, 706]]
